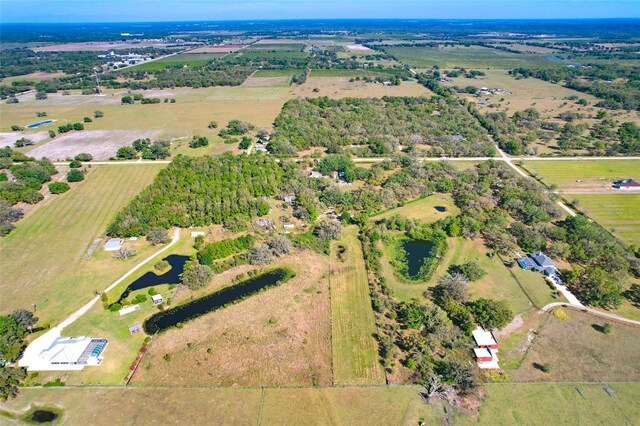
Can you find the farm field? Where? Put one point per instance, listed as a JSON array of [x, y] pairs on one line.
[[619, 213], [461, 56], [558, 404], [34, 76], [181, 59], [341, 87], [340, 406], [44, 257], [577, 350], [279, 337], [355, 351], [277, 54], [594, 174]]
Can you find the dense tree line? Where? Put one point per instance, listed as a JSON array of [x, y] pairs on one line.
[[224, 248], [199, 192], [383, 125], [28, 177]]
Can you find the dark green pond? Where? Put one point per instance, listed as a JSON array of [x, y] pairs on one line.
[[417, 251], [172, 317]]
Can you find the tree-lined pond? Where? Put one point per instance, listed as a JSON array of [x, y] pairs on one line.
[[219, 299], [417, 251]]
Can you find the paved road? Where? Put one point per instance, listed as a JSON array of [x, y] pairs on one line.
[[43, 342]]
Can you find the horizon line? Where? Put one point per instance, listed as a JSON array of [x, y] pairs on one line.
[[325, 19]]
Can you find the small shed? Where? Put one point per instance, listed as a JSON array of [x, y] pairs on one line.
[[135, 328], [113, 244], [157, 299], [197, 234], [484, 339], [289, 226]]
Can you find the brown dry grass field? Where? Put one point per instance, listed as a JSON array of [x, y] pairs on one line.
[[577, 350], [280, 337], [341, 87], [34, 76]]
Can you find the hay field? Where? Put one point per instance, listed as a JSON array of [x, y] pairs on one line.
[[355, 351], [142, 406], [619, 213], [279, 337], [577, 350], [594, 174], [460, 56], [43, 259]]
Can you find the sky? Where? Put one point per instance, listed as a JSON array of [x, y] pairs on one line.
[[212, 10]]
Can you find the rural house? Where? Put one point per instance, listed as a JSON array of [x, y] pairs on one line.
[[540, 262]]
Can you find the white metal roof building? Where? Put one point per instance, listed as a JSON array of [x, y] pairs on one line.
[[484, 338], [113, 244], [68, 353]]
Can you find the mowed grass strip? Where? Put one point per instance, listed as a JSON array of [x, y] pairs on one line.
[[557, 404], [566, 173], [619, 213], [355, 352], [43, 259]]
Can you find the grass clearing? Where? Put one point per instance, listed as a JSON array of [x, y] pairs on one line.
[[557, 404], [181, 59], [340, 87], [340, 406], [44, 257], [355, 351], [279, 337], [577, 350], [428, 209], [270, 54]]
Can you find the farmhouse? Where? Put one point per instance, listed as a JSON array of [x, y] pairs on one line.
[[540, 262], [113, 244], [67, 353], [157, 299], [627, 185]]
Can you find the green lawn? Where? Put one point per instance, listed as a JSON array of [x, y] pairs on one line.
[[43, 259], [566, 173], [355, 351], [558, 404], [188, 59], [425, 209], [619, 213]]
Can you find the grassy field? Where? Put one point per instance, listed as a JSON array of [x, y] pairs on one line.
[[461, 56], [279, 337], [557, 404], [277, 73], [339, 406], [619, 213], [43, 259], [602, 173], [425, 209], [355, 351], [34, 76], [287, 47], [265, 54], [181, 59], [577, 350]]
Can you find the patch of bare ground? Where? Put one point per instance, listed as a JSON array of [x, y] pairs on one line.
[[280, 337], [578, 349], [9, 138], [102, 144]]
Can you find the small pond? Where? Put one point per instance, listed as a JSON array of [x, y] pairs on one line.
[[417, 251], [151, 279], [198, 307], [38, 124]]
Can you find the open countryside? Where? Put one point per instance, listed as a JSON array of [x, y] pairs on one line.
[[320, 222]]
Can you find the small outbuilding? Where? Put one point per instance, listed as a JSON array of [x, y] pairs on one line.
[[484, 339], [128, 309], [135, 328], [113, 244], [157, 299], [197, 234], [627, 185]]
